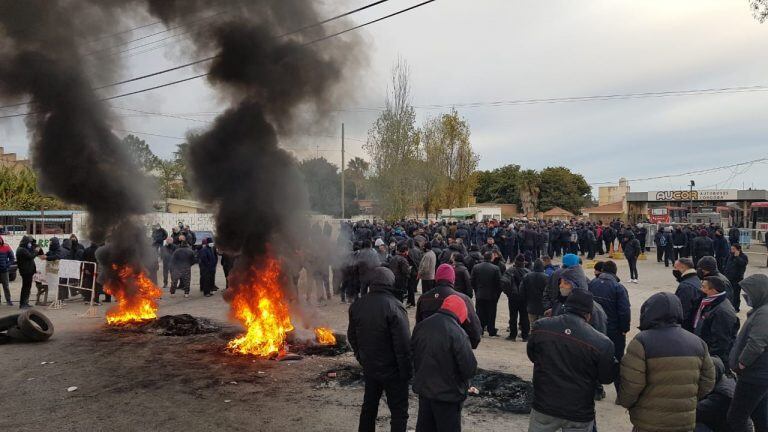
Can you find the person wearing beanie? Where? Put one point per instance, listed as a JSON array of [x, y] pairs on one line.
[[463, 282], [632, 251], [379, 334], [532, 287], [402, 270], [702, 246], [431, 301], [749, 360], [570, 359], [715, 321], [572, 279], [443, 364], [511, 283], [665, 370], [707, 266]]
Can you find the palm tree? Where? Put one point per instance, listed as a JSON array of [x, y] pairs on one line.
[[356, 171], [529, 185]]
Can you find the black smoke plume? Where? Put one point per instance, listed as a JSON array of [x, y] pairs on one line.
[[275, 84], [76, 156]]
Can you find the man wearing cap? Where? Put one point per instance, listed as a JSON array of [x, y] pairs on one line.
[[570, 358], [443, 365], [431, 301], [379, 334], [715, 322]]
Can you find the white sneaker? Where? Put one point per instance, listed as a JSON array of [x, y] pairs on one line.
[[186, 295]]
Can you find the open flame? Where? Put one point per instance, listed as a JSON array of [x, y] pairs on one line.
[[325, 336], [135, 295], [258, 302]]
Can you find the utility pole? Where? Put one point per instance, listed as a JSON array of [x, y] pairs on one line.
[[342, 172]]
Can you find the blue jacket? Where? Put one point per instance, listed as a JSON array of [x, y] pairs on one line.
[[613, 297], [6, 256], [207, 259]]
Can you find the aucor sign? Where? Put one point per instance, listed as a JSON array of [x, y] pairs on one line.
[[695, 195]]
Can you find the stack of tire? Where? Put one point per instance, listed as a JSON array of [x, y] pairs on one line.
[[28, 326]]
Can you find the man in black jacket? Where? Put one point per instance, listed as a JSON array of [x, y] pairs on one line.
[[510, 285], [712, 410], [570, 359], [432, 300], [443, 364], [181, 262], [25, 259], [166, 253], [707, 266], [486, 281], [379, 334], [735, 267], [533, 286], [688, 290], [702, 246], [715, 321], [401, 268], [679, 243]]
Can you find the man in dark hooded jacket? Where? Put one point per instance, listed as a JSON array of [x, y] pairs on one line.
[[208, 261], [443, 364], [431, 301], [749, 360], [735, 267], [666, 369], [715, 321], [510, 285], [25, 258], [166, 253], [702, 246], [379, 334], [181, 262], [688, 290], [712, 410]]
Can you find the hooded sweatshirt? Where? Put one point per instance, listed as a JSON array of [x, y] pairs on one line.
[[666, 369], [6, 256], [752, 341]]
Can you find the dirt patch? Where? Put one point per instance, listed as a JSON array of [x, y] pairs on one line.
[[341, 376], [501, 391]]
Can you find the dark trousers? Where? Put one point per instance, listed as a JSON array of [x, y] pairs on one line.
[[517, 307], [338, 277], [166, 273], [632, 267], [749, 401], [427, 285], [486, 312], [412, 282], [397, 400], [436, 416], [207, 280], [591, 251], [181, 280], [736, 295], [26, 289], [659, 253], [619, 343]]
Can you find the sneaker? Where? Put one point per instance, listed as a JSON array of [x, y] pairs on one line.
[[510, 338], [186, 295]]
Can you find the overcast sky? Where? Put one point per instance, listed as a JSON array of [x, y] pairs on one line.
[[464, 51]]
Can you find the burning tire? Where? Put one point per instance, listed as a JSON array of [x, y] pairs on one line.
[[8, 322], [35, 326]]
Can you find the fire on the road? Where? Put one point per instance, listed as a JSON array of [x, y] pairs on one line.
[[260, 305], [325, 336], [135, 295]]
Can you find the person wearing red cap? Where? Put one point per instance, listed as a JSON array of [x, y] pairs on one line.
[[431, 301], [443, 365]]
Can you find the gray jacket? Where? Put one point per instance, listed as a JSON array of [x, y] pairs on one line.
[[427, 266], [752, 341]]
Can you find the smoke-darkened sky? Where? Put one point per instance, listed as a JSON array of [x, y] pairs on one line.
[[494, 50]]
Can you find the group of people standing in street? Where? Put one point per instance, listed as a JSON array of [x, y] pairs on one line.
[[691, 366]]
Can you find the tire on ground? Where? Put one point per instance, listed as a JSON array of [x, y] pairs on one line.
[[17, 335], [36, 326], [8, 322]]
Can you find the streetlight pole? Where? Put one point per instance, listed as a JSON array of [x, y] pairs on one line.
[[693, 183], [342, 172]]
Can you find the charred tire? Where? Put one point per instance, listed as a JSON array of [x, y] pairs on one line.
[[36, 326], [16, 334], [8, 322]]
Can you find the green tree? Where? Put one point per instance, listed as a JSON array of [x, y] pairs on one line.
[[562, 188], [18, 191], [323, 182], [498, 186], [141, 153], [357, 170], [393, 146], [529, 184]]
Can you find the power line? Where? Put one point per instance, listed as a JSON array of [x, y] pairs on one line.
[[211, 58], [196, 62], [702, 171]]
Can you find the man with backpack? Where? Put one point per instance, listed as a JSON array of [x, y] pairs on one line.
[[510, 285]]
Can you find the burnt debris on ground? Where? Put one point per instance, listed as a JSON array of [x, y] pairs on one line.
[[505, 392], [310, 348], [341, 376], [171, 325]]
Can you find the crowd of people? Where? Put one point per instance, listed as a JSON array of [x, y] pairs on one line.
[[691, 366]]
